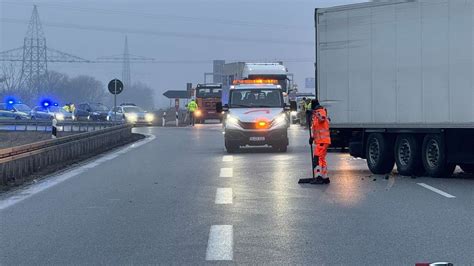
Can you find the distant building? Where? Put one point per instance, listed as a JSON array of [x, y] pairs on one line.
[[309, 83], [218, 71]]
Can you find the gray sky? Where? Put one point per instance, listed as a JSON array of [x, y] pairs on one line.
[[189, 33]]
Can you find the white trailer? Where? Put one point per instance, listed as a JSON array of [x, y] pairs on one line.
[[398, 80]]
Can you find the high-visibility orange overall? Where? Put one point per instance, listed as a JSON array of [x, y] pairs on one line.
[[322, 140]]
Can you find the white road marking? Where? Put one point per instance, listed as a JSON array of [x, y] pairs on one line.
[[53, 180], [221, 242], [226, 172], [227, 158], [442, 193], [224, 196]]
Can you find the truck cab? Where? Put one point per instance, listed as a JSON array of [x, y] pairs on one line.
[[207, 96], [256, 115], [274, 71]]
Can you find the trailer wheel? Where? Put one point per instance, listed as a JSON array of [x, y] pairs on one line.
[[408, 155], [434, 157], [231, 147], [379, 154], [467, 168]]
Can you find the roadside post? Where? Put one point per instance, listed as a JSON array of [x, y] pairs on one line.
[[176, 106], [164, 119], [54, 129], [115, 87]]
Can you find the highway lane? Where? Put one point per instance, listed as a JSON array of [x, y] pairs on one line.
[[180, 198]]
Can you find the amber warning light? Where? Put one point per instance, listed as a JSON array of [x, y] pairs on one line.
[[262, 124], [255, 81]]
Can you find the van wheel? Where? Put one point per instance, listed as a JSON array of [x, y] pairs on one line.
[[231, 147], [467, 168], [434, 157], [379, 154], [408, 155]]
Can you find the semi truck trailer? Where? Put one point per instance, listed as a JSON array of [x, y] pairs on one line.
[[397, 78]]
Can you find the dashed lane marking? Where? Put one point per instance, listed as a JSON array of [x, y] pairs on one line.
[[435, 190], [224, 196], [226, 172], [227, 158], [221, 243]]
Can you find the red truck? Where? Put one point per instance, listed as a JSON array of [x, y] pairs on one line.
[[207, 96]]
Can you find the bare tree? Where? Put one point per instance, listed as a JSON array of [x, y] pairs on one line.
[[139, 94], [10, 77], [85, 89]]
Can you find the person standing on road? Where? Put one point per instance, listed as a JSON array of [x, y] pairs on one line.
[[302, 112], [322, 139], [309, 112], [192, 107], [69, 107]]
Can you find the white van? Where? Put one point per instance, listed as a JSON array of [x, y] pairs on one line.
[[256, 115]]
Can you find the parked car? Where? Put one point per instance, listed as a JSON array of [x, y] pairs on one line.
[[91, 111], [131, 114], [14, 111], [48, 113]]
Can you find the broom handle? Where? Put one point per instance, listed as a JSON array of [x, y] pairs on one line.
[[311, 145]]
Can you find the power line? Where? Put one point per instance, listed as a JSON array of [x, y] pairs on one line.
[[167, 17], [162, 33], [35, 55], [205, 61]]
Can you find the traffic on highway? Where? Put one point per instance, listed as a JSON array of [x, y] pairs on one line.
[[354, 146]]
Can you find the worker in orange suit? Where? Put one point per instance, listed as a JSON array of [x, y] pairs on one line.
[[322, 139]]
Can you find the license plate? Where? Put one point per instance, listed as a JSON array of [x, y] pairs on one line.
[[257, 138]]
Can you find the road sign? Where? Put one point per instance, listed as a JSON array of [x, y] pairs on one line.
[[115, 86]]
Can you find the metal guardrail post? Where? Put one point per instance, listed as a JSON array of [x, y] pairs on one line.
[[164, 119]]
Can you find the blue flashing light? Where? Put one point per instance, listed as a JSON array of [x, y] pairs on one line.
[[56, 104], [46, 103], [11, 102]]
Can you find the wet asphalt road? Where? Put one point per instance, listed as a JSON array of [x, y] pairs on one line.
[[179, 199]]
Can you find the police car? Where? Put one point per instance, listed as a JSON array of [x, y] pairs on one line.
[[255, 115]]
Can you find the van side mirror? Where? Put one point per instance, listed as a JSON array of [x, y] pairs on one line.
[[219, 107], [293, 106]]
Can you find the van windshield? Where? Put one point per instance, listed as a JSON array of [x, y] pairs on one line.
[[255, 98]]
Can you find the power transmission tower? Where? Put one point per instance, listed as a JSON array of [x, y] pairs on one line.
[[126, 59], [35, 63], [127, 80], [35, 55]]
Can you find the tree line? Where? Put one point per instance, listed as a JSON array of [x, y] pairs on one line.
[[62, 88]]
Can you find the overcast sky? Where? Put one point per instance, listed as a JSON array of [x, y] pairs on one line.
[[188, 34]]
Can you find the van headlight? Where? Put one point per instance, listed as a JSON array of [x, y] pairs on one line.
[[231, 122], [280, 121]]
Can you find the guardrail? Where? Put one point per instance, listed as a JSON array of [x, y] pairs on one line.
[[16, 163], [45, 125]]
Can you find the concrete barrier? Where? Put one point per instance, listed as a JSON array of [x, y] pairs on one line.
[[17, 163]]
